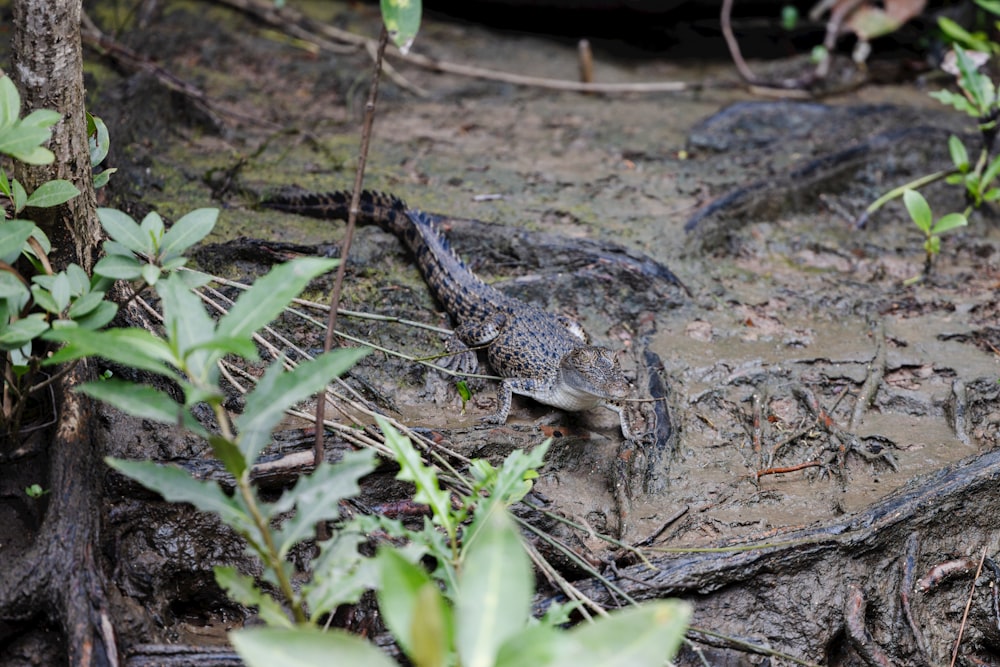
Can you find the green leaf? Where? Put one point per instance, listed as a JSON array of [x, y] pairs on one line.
[[341, 574], [195, 279], [10, 103], [305, 647], [173, 264], [176, 485], [23, 331], [150, 274], [243, 590], [43, 118], [13, 235], [23, 142], [4, 184], [413, 469], [277, 391], [957, 101], [402, 20], [101, 179], [226, 451], [317, 496], [79, 281], [979, 86], [537, 645], [992, 6], [99, 317], [142, 401], [242, 347], [36, 156], [957, 33], [990, 174], [52, 193], [85, 304], [648, 635], [20, 196], [133, 347], [152, 226], [100, 144], [949, 222], [123, 229], [119, 267], [431, 631], [919, 211], [495, 589], [61, 291], [513, 480], [959, 156], [270, 294], [187, 231], [10, 286], [405, 593], [187, 324], [44, 299]]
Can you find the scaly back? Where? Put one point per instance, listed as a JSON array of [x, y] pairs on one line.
[[462, 293]]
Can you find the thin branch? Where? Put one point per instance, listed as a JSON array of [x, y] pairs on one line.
[[295, 23], [352, 216], [968, 605]]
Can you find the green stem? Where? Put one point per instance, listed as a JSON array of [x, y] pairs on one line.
[[912, 185], [271, 553]]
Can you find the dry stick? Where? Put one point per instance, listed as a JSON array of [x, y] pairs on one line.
[[586, 56], [734, 46], [876, 371], [286, 16], [968, 605], [352, 217]]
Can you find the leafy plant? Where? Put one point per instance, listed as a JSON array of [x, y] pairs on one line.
[[189, 357], [978, 97], [472, 609], [402, 20], [977, 40], [920, 213], [33, 297]]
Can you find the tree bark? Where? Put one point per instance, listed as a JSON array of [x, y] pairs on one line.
[[48, 71], [57, 577]]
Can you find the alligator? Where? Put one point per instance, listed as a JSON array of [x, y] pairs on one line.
[[538, 354]]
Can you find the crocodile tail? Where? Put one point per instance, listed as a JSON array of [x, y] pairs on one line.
[[374, 208]]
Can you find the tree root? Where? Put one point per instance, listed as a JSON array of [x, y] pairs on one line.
[[840, 589]]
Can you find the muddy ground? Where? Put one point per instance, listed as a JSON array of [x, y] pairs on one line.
[[789, 304]]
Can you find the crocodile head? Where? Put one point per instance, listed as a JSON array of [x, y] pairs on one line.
[[594, 370]]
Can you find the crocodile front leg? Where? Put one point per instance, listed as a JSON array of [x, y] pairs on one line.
[[539, 390]]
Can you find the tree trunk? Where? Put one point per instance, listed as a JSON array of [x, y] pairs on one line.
[[48, 71], [57, 576]]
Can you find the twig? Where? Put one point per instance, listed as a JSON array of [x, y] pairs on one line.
[[968, 605], [906, 590], [352, 216], [960, 404], [283, 17], [586, 58], [787, 469], [734, 46], [876, 371]]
